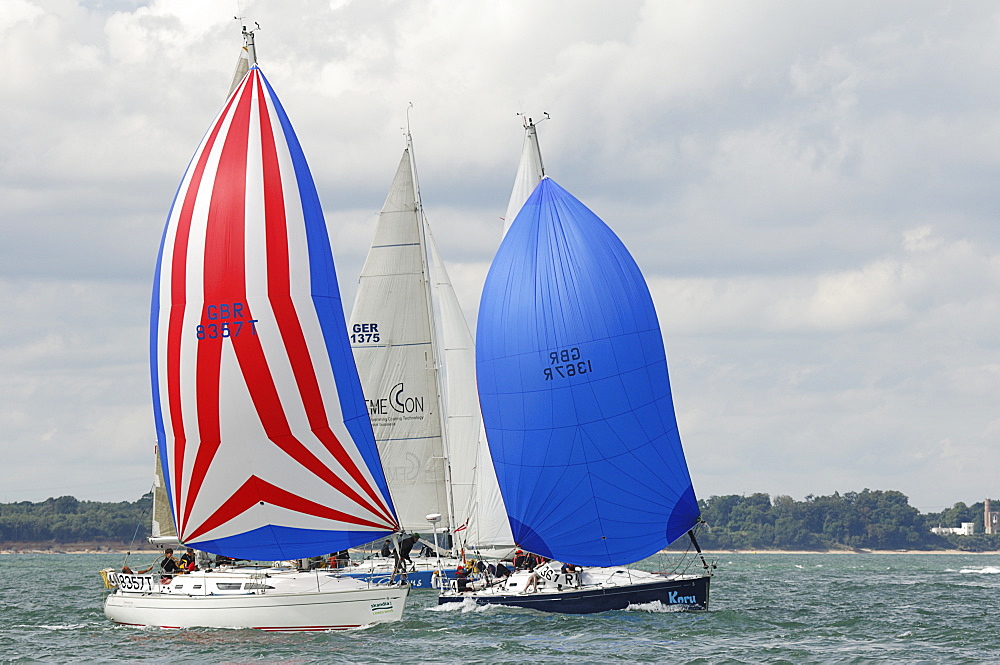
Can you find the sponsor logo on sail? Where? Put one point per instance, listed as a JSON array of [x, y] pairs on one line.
[[396, 402]]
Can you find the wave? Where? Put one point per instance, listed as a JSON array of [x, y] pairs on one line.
[[467, 605], [985, 570], [654, 606]]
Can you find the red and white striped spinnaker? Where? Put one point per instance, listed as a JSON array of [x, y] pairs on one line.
[[265, 438]]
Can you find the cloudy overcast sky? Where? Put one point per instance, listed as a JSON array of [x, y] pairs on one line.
[[809, 187]]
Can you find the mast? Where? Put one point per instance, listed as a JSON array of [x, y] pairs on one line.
[[532, 137], [530, 171], [433, 328], [247, 59], [251, 50]]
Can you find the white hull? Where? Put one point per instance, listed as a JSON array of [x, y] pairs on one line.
[[267, 600]]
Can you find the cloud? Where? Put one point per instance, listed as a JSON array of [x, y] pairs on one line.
[[809, 189]]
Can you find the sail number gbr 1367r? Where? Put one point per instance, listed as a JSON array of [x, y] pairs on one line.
[[566, 362]]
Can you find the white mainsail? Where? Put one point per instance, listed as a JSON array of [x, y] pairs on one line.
[[162, 531], [393, 338], [242, 67], [529, 173], [416, 359]]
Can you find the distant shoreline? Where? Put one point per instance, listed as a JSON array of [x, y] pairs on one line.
[[860, 551], [35, 548], [74, 550]]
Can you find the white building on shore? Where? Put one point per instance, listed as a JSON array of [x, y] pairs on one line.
[[967, 529]]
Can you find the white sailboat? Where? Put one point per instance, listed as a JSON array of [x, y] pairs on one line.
[[416, 360], [266, 446], [576, 402]]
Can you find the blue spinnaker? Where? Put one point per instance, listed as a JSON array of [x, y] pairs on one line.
[[575, 394]]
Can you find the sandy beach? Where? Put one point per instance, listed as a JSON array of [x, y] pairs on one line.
[[94, 548], [860, 551]]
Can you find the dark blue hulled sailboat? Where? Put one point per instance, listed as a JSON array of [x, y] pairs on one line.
[[577, 406]]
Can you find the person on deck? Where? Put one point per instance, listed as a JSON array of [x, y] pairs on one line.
[[531, 586], [461, 579], [168, 565], [386, 551], [520, 560], [188, 560], [405, 545]]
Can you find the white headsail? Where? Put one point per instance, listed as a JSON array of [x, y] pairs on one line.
[[530, 171]]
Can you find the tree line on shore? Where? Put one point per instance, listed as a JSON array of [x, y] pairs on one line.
[[870, 519], [68, 520]]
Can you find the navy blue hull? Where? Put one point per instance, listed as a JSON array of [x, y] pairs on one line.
[[689, 594]]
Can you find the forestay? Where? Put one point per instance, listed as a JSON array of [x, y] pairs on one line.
[[575, 394], [529, 173], [267, 446]]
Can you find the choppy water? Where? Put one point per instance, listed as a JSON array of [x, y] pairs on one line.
[[766, 608]]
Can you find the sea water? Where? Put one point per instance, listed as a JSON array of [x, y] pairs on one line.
[[765, 608]]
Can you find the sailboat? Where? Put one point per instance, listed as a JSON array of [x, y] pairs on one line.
[[577, 407], [416, 359], [266, 447]]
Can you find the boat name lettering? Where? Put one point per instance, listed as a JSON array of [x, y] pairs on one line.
[[674, 599], [566, 362], [135, 582], [364, 333]]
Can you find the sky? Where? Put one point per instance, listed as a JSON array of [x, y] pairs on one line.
[[809, 188]]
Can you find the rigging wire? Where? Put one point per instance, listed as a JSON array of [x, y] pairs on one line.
[[128, 553]]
